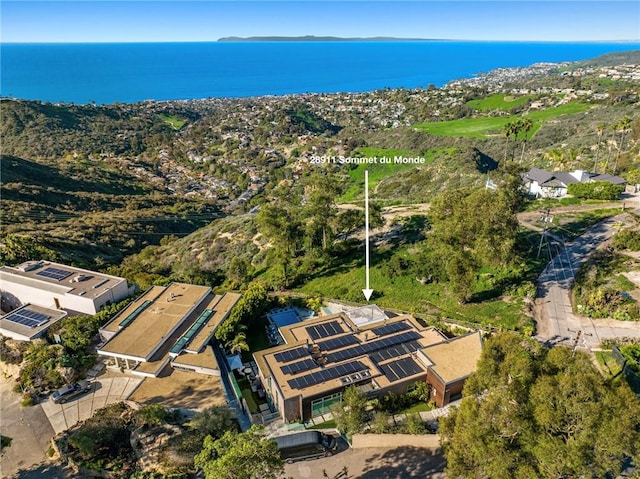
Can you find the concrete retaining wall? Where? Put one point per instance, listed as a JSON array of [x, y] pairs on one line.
[[429, 441]]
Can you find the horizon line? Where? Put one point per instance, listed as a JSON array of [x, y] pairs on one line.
[[334, 39]]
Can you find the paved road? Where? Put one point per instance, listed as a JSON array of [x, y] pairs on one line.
[[28, 428], [32, 428], [556, 322]]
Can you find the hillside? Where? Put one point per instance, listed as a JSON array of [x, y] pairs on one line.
[[97, 183]]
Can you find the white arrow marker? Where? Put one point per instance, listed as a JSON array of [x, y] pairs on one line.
[[367, 291]]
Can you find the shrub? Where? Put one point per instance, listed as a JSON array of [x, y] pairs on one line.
[[598, 190]]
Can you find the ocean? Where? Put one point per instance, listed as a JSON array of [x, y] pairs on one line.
[[130, 73]]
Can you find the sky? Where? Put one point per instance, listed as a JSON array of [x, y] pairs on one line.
[[26, 21]]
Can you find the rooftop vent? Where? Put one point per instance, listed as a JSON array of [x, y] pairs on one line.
[[29, 266], [81, 277]]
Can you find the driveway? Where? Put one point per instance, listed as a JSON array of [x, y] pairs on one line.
[[555, 319], [104, 391], [372, 463], [27, 427], [31, 428]]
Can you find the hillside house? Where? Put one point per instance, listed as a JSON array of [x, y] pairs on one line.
[[544, 184]]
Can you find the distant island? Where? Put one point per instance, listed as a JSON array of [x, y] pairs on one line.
[[313, 38]]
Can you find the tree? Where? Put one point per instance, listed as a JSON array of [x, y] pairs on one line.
[[544, 413], [469, 229], [524, 125], [238, 344], [509, 130], [247, 455], [254, 300], [600, 129], [351, 414], [624, 126]]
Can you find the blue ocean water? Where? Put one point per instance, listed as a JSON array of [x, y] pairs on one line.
[[128, 73]]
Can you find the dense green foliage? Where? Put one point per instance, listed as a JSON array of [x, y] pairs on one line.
[[247, 455], [469, 229], [597, 190], [102, 442], [601, 291], [254, 301], [351, 415], [544, 413]]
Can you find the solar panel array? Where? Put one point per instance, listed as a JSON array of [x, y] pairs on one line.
[[26, 317], [291, 354], [372, 346], [339, 342], [326, 375], [400, 369], [324, 330], [395, 351], [54, 273], [390, 328], [299, 366]]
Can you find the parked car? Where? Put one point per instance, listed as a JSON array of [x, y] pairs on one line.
[[65, 393], [306, 445]]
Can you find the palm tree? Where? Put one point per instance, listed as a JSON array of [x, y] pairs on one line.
[[509, 130], [624, 126], [238, 344], [525, 125], [600, 130], [610, 142]]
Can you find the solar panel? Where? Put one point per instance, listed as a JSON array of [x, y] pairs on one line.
[[324, 330], [291, 354], [338, 342], [326, 375], [395, 351], [298, 367], [54, 273], [372, 346], [400, 369], [26, 317], [390, 328]]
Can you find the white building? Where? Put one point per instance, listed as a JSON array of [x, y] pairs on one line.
[[545, 184], [60, 287]]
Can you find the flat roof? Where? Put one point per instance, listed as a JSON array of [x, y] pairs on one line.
[[455, 358], [60, 278], [204, 359], [331, 352], [152, 326], [29, 321], [221, 306]]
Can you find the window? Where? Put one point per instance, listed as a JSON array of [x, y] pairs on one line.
[[324, 404]]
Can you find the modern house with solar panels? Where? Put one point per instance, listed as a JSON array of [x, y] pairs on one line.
[[39, 293], [306, 376], [167, 325]]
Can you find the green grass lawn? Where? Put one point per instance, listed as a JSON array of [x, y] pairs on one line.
[[407, 294], [416, 408], [542, 203], [378, 172], [498, 101], [482, 127], [175, 122], [247, 394]]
